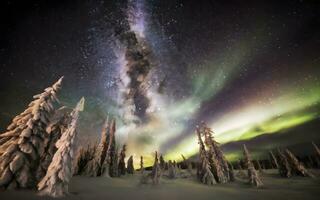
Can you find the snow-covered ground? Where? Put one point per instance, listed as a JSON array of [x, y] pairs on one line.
[[129, 187]]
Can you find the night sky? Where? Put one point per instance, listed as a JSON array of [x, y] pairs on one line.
[[250, 70]]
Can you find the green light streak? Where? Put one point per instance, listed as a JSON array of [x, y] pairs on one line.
[[276, 125]]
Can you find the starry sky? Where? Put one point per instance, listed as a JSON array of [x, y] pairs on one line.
[[250, 70]]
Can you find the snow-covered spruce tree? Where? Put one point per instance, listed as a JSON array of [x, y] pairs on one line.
[[259, 168], [122, 163], [172, 172], [130, 167], [114, 171], [58, 124], [240, 173], [91, 167], [141, 165], [156, 170], [162, 163], [273, 159], [317, 154], [204, 171], [297, 167], [79, 162], [187, 164], [175, 164], [102, 148], [316, 148], [95, 166], [284, 167], [207, 177], [24, 143], [56, 181], [231, 172], [217, 160], [254, 178], [110, 164], [84, 156]]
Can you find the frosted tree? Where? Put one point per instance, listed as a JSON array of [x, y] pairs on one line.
[[122, 164], [162, 163], [296, 166], [114, 170], [95, 166], [240, 170], [316, 148], [91, 167], [284, 167], [56, 181], [254, 178], [111, 160], [317, 154], [231, 172], [187, 164], [80, 162], [204, 173], [24, 143], [84, 156], [259, 166], [58, 124], [274, 161], [141, 165], [102, 148], [172, 173], [175, 164], [130, 167], [207, 177], [156, 170], [216, 158]]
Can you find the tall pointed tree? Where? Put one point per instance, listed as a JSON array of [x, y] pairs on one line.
[[56, 181], [217, 160], [80, 162], [274, 161], [240, 170], [24, 143], [172, 171], [84, 157], [296, 166], [259, 166], [284, 167], [156, 170], [141, 165], [122, 164], [317, 154], [95, 166], [111, 160], [130, 167], [254, 178], [231, 172], [187, 164], [114, 170], [162, 163], [58, 124], [204, 171], [102, 148]]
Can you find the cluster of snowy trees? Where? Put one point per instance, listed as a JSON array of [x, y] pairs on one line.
[[289, 165], [104, 159], [213, 167], [37, 149]]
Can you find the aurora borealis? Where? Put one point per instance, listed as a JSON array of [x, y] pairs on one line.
[[249, 70]]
